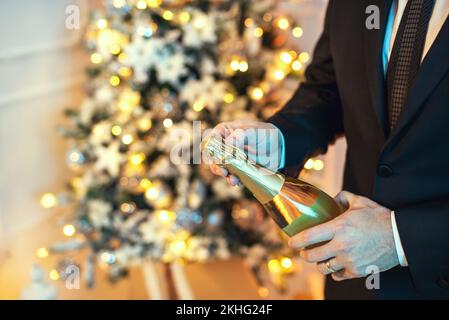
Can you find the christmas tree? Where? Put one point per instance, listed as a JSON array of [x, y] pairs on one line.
[[157, 66]]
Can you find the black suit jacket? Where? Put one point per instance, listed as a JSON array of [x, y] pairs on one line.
[[406, 171]]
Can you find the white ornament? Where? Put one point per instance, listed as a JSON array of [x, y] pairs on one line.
[[143, 54], [201, 29], [101, 133], [98, 212], [207, 90], [104, 95], [109, 158], [171, 68]]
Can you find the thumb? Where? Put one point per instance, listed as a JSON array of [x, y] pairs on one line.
[[345, 199]]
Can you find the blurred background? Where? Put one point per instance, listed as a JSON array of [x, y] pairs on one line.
[[90, 96]]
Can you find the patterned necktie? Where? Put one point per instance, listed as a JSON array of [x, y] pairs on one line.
[[406, 55]]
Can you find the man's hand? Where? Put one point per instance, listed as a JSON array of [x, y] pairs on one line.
[[360, 237], [262, 142]]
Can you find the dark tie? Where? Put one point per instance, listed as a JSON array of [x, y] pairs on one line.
[[406, 55]]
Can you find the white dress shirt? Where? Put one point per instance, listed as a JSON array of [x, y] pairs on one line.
[[439, 16]]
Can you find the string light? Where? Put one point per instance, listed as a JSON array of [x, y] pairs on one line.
[[127, 207], [287, 263], [137, 159], [304, 57], [198, 105], [75, 156], [166, 216], [167, 123], [127, 139], [116, 130], [123, 57], [235, 65], [152, 194], [318, 165], [144, 124], [228, 98], [102, 24], [114, 81], [54, 275], [167, 15], [154, 3], [257, 93], [130, 99], [42, 253], [286, 57], [178, 246], [297, 65], [108, 257], [283, 23], [309, 164], [145, 184], [258, 32], [125, 72], [267, 17], [114, 49], [279, 75], [118, 3], [141, 5], [274, 266], [69, 230], [243, 66], [297, 32], [184, 17], [48, 200], [249, 22], [96, 58]]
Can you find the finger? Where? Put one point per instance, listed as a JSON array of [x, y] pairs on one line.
[[341, 275], [345, 199], [318, 254], [320, 233], [219, 171], [334, 264], [237, 138], [223, 129], [233, 180]]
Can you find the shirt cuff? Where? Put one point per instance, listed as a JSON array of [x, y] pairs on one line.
[[397, 242], [282, 162]]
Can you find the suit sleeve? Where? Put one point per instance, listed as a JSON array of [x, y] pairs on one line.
[[424, 235], [313, 117]]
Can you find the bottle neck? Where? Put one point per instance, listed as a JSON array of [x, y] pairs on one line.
[[263, 183]]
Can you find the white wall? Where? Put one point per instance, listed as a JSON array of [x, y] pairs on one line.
[[41, 73]]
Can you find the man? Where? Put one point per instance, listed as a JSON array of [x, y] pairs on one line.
[[386, 90]]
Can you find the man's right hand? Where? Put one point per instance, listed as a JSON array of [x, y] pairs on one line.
[[261, 141]]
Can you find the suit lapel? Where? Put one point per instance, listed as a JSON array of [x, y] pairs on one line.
[[434, 67], [373, 54]]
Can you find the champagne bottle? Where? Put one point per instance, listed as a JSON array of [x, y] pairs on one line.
[[293, 204]]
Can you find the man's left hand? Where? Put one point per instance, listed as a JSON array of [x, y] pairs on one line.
[[359, 238]]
